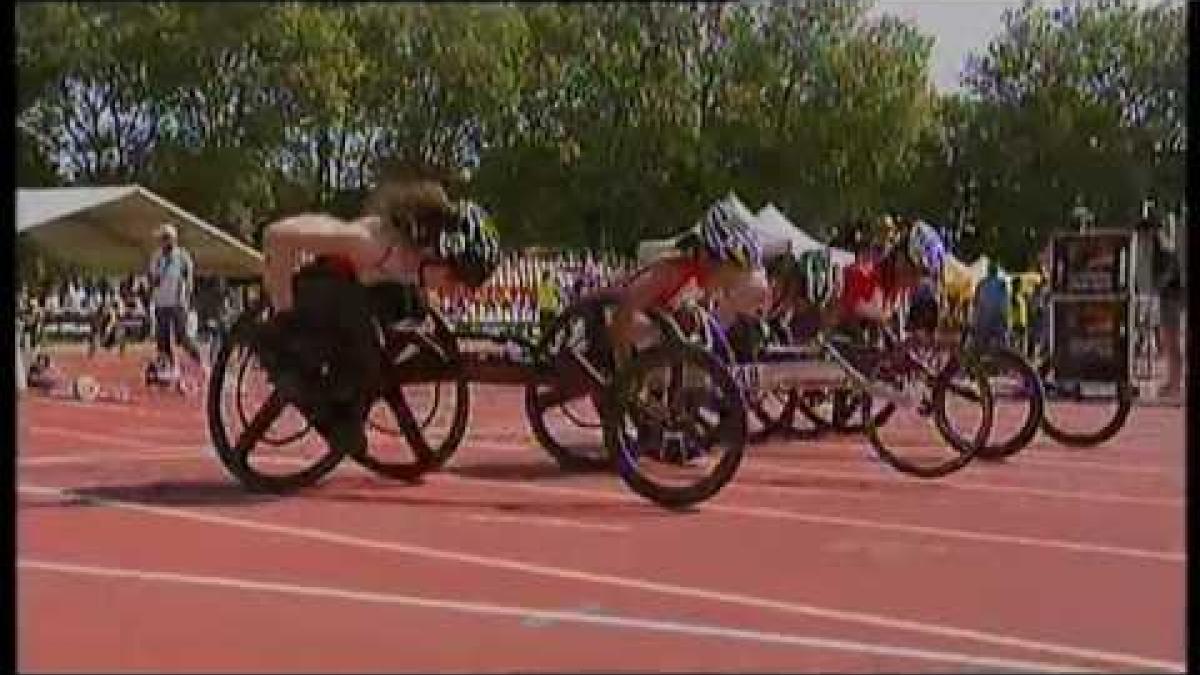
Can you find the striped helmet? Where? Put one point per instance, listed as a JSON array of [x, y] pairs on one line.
[[725, 233], [809, 273], [470, 245], [925, 248]]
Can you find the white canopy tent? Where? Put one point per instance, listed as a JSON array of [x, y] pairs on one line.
[[113, 229], [777, 234], [783, 234]]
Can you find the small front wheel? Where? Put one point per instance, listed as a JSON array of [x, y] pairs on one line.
[[676, 425]]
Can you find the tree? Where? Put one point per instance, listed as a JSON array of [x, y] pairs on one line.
[[1080, 101]]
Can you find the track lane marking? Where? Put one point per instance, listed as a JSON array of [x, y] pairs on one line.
[[957, 484], [690, 592], [168, 453], [1091, 465], [91, 436], [783, 514], [776, 513], [548, 521], [547, 615], [923, 530]]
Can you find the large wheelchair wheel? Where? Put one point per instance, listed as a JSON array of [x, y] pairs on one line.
[[262, 440], [1018, 398], [1083, 414], [564, 404], [956, 402], [768, 411], [427, 402], [676, 425]]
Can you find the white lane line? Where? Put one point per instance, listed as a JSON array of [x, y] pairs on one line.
[[1077, 461], [91, 437], [770, 512], [546, 615], [923, 530], [1087, 464], [957, 484], [168, 453], [694, 593], [549, 521], [781, 514], [1091, 465]]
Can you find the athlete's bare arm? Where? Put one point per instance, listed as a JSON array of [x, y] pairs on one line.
[[742, 292], [646, 291], [284, 241]]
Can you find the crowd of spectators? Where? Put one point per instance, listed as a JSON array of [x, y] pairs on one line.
[[530, 287], [69, 307], [106, 311]]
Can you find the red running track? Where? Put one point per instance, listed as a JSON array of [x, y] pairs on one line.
[[137, 551]]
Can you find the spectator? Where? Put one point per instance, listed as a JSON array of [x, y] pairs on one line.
[[1168, 274], [33, 324], [21, 379], [210, 302], [923, 310], [43, 375], [991, 308], [1039, 311], [549, 299], [51, 303], [171, 279], [107, 331], [1018, 313]]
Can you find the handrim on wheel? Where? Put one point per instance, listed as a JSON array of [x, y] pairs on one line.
[[960, 376], [660, 413], [572, 353], [236, 361], [1016, 392], [425, 356]]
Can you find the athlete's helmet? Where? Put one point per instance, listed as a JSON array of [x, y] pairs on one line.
[[725, 233], [925, 248], [470, 245]]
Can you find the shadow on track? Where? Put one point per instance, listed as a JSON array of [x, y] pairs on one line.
[[500, 470], [375, 491], [876, 485], [168, 493]]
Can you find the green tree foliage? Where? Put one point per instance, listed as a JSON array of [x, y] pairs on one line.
[[601, 124], [1078, 102]]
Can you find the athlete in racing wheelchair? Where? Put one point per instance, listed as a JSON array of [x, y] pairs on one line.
[[334, 284]]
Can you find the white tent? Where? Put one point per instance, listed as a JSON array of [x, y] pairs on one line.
[[782, 234], [112, 229], [774, 230]]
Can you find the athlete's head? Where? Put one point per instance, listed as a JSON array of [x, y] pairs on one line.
[[724, 235], [470, 245], [917, 252], [416, 210], [925, 249], [801, 277]]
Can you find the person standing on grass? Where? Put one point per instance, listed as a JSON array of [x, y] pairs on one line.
[[171, 278]]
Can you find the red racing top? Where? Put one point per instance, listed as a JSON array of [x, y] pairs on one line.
[[692, 270]]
